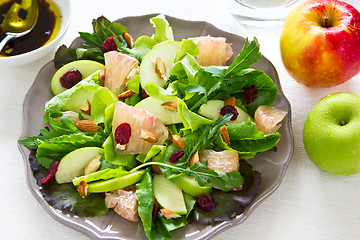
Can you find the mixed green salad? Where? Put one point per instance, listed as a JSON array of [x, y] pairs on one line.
[[155, 129]]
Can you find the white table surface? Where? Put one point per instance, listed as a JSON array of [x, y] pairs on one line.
[[309, 204]]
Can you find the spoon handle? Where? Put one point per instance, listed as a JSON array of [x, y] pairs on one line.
[[5, 40]]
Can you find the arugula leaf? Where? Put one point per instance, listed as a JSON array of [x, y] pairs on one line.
[[202, 175], [248, 55]]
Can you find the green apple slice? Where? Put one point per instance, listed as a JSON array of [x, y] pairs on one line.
[[166, 51], [79, 100], [169, 195], [73, 164], [212, 108], [85, 67], [153, 106], [190, 186], [115, 183]]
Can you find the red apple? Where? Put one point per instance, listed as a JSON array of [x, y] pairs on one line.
[[320, 43]]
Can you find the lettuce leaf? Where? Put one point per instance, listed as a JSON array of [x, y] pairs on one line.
[[126, 160], [245, 138], [228, 205], [56, 148], [62, 138], [102, 98], [78, 94], [65, 197], [190, 119], [163, 30], [197, 84], [101, 175], [134, 84]]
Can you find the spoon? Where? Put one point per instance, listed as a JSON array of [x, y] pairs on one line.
[[19, 20]]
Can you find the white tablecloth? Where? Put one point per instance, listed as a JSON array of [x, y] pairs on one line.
[[309, 204]]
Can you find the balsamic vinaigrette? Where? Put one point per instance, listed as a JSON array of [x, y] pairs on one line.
[[44, 31]]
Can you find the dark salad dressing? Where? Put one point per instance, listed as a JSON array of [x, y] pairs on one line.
[[37, 37]]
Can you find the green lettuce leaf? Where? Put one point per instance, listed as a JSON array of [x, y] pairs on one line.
[[134, 84], [190, 119], [146, 199], [73, 98], [154, 150], [163, 30], [246, 139], [188, 46], [102, 98], [126, 160], [108, 117], [56, 148], [65, 197], [101, 175]]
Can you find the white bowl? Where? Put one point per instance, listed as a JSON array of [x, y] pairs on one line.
[[49, 48]]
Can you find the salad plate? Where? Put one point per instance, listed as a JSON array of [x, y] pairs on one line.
[[271, 164]]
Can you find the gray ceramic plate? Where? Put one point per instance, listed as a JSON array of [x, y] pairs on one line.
[[272, 165]]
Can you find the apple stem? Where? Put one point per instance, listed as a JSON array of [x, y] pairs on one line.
[[342, 122], [326, 22]]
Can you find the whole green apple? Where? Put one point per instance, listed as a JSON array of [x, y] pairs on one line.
[[331, 134], [320, 43]]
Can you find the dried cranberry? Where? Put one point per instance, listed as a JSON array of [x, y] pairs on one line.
[[250, 94], [143, 94], [229, 109], [206, 202], [51, 173], [70, 78], [176, 156], [123, 133], [155, 209], [109, 44]]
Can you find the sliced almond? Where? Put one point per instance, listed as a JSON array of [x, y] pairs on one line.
[[225, 135], [126, 94], [148, 136], [168, 213], [160, 68], [129, 40], [195, 158], [178, 141], [87, 126], [121, 147], [171, 106], [231, 101], [82, 188], [102, 75], [86, 108], [93, 165], [156, 169]]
